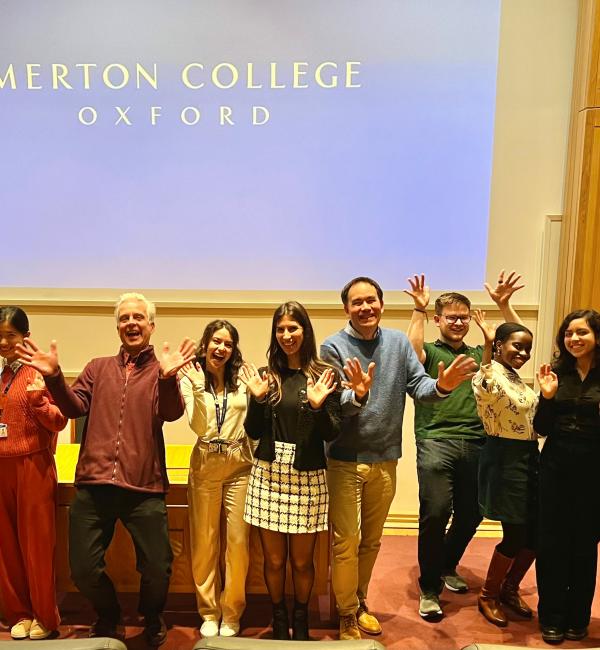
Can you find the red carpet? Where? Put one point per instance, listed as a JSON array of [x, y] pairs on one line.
[[393, 597]]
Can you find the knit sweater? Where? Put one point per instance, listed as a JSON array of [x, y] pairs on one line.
[[373, 433], [31, 416]]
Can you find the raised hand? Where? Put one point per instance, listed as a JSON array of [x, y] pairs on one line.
[[171, 362], [547, 380], [316, 392], [193, 371], [358, 380], [251, 378], [44, 362], [489, 330], [36, 384], [461, 369], [419, 291], [504, 288]]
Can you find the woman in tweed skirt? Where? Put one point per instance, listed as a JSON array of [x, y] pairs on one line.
[[294, 407]]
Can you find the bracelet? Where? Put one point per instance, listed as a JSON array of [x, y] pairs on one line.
[[422, 311]]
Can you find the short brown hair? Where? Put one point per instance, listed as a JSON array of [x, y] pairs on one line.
[[450, 298]]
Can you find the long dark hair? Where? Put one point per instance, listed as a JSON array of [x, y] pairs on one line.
[[563, 359], [234, 363], [15, 317], [310, 363]]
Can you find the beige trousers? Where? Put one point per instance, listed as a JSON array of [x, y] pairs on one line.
[[360, 496], [219, 536]]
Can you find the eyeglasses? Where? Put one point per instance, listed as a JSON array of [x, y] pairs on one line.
[[452, 319]]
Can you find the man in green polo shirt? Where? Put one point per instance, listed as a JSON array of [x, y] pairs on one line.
[[449, 437]]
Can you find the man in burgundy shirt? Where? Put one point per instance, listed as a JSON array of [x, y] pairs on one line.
[[121, 471]]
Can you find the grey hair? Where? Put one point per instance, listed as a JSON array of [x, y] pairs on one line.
[[150, 307]]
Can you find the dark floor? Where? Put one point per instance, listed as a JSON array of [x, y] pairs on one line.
[[393, 597]]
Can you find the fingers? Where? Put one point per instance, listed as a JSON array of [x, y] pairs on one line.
[[31, 345], [371, 369], [187, 347]]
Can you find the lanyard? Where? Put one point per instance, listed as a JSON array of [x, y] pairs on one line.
[[220, 411], [5, 391]]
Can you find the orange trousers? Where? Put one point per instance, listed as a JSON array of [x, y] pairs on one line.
[[28, 494]]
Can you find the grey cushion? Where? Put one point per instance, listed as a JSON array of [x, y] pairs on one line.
[[100, 643], [233, 643]]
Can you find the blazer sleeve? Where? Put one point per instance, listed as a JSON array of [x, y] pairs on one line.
[[255, 423], [328, 420]]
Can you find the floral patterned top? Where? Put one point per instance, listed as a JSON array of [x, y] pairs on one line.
[[505, 403]]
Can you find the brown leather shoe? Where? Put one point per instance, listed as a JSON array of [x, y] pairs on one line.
[[349, 628], [367, 622], [509, 596]]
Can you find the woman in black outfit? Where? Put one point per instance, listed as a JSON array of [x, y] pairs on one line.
[[568, 414], [294, 407]]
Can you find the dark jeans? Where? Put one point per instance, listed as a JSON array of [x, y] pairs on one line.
[[568, 543], [93, 515], [447, 471]]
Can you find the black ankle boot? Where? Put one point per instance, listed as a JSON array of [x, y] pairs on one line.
[[300, 622], [281, 623]]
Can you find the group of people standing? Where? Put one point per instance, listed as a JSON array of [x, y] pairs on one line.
[[309, 440]]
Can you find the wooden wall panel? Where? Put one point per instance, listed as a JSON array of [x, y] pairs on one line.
[[579, 266]]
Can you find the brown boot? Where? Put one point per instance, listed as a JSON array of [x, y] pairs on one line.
[[509, 594], [488, 600]]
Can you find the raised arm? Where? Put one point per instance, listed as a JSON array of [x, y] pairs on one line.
[[192, 384], [44, 409], [545, 416], [170, 401], [489, 332], [73, 401], [419, 292], [350, 401], [501, 295]]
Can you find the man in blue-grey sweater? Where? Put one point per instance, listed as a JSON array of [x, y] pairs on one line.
[[362, 460]]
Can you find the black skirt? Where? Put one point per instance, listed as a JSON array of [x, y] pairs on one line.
[[508, 480]]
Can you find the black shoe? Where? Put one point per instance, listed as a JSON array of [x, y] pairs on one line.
[[281, 622], [552, 634], [300, 622], [155, 630], [576, 633], [104, 628]]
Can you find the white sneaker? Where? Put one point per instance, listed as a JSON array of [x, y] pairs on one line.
[[209, 628], [229, 629], [21, 629], [38, 631]]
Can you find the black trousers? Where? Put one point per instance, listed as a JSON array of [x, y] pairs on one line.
[[568, 543], [93, 515], [447, 471]]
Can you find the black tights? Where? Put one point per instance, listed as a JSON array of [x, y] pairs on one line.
[[301, 550], [515, 537]]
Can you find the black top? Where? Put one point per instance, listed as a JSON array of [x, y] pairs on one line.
[[293, 420], [285, 412], [574, 410]]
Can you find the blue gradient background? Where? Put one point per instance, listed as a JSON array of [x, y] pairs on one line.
[[386, 180]]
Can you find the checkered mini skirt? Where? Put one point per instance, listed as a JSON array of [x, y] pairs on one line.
[[284, 499]]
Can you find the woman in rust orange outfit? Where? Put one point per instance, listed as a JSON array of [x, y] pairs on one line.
[[29, 422]]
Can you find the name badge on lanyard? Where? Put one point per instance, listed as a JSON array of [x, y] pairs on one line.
[[220, 411], [3, 400]]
